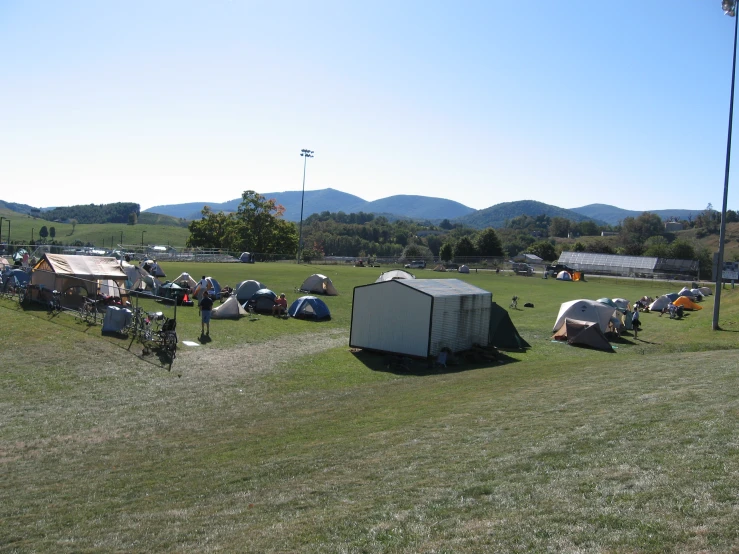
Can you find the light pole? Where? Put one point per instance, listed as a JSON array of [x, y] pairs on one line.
[[32, 229], [306, 154], [729, 7], [142, 240], [8, 231], [1, 229]]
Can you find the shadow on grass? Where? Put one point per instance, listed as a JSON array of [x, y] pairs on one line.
[[404, 365]]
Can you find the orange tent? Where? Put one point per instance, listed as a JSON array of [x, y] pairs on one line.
[[687, 303]]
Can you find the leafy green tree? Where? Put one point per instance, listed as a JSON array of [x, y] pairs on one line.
[[43, 232], [73, 222], [579, 247], [586, 228], [599, 247], [52, 232], [544, 249], [446, 224], [464, 248], [133, 218], [681, 250], [657, 247], [487, 243], [446, 251], [559, 227]]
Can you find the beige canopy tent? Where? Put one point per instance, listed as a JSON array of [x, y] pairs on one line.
[[79, 276]]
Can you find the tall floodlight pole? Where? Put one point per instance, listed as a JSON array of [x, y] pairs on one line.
[[1, 229], [306, 154], [729, 7], [8, 230], [142, 239]]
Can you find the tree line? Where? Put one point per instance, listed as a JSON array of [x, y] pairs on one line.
[[119, 212]]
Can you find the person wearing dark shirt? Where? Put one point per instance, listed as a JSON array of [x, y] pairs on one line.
[[206, 306]]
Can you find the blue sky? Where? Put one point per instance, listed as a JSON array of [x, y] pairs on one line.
[[568, 103]]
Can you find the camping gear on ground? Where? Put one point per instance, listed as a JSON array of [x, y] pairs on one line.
[[246, 289], [584, 310], [394, 274], [687, 303], [463, 269], [173, 291], [502, 333], [583, 333], [309, 307], [261, 301], [319, 284], [419, 317], [230, 309], [660, 304], [564, 276], [706, 291], [15, 278], [116, 319], [246, 258]]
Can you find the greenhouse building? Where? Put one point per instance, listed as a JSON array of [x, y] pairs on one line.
[[631, 266]]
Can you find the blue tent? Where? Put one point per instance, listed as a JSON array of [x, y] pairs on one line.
[[15, 277], [262, 300], [309, 307]]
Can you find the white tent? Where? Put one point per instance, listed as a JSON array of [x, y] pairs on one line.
[[585, 310], [685, 291], [230, 309], [186, 278], [152, 267], [246, 289], [394, 274], [463, 269], [697, 293], [319, 284], [564, 276], [660, 304], [706, 291]]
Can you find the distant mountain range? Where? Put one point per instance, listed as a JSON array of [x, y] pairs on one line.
[[424, 208], [421, 208], [331, 200], [613, 215]]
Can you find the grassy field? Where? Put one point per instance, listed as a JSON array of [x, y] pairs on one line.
[[22, 227], [275, 437]]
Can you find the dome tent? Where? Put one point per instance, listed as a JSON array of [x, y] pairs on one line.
[[262, 300], [463, 269], [584, 310], [186, 279], [214, 287], [660, 304], [246, 289], [309, 307], [394, 274], [230, 309], [687, 303], [319, 284], [564, 276]]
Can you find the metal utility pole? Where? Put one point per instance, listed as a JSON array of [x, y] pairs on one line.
[[729, 7], [306, 154]]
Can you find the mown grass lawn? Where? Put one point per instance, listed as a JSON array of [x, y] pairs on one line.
[[271, 442]]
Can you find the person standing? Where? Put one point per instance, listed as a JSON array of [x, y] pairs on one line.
[[206, 307], [201, 288], [635, 322]]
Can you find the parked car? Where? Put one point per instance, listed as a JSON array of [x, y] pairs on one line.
[[416, 264]]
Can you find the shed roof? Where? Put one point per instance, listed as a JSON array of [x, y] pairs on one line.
[[82, 266], [441, 287]]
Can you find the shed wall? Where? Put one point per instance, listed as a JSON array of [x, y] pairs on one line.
[[391, 318], [458, 322]]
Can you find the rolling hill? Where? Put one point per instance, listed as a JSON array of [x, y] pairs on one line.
[[332, 200], [496, 216], [613, 215]]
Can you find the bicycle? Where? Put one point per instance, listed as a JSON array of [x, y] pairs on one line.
[[55, 303], [87, 311]]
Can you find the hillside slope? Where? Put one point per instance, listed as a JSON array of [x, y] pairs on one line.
[[496, 216], [613, 215]]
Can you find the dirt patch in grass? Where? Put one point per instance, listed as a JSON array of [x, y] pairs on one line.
[[212, 361]]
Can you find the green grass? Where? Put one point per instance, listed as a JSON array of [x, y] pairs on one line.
[[267, 445]]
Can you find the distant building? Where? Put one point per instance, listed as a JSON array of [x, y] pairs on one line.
[[673, 226], [608, 233]]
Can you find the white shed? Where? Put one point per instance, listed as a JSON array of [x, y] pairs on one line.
[[419, 317]]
